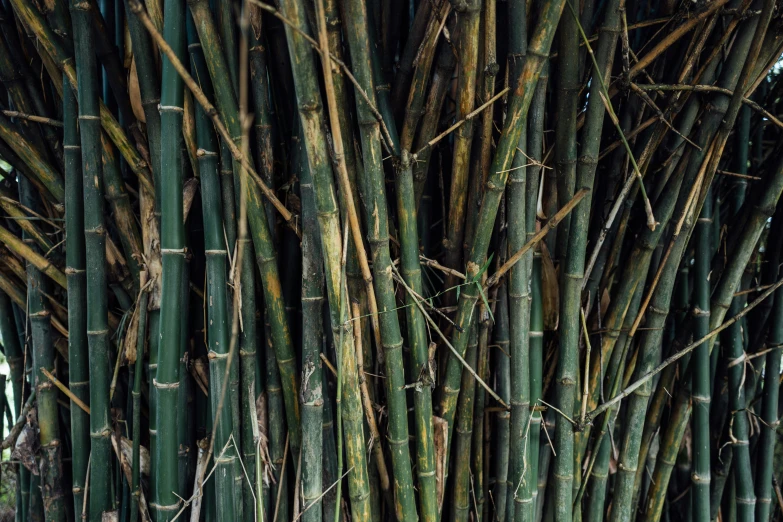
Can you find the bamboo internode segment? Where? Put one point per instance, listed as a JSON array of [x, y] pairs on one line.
[[487, 261]]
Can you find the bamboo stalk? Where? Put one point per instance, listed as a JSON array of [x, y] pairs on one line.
[[355, 17], [312, 371], [308, 101], [506, 148], [43, 360], [167, 379], [218, 319], [265, 254], [78, 372], [94, 232], [766, 445]]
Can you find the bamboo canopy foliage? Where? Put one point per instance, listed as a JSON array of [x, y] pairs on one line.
[[391, 260]]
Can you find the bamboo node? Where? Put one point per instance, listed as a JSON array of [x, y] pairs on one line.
[[698, 312], [701, 399], [170, 507], [174, 251], [165, 386], [397, 442], [700, 479], [170, 108]]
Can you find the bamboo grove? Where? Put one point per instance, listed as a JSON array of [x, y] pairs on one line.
[[373, 260]]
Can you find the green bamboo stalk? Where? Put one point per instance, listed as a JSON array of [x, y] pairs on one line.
[[173, 255], [729, 77], [534, 147], [479, 168], [734, 343], [311, 117], [461, 487], [265, 255], [503, 387], [538, 48], [634, 270], [356, 270], [277, 430], [141, 337], [13, 351], [15, 358], [744, 495], [481, 435], [227, 191], [95, 238], [661, 396], [218, 318], [36, 509], [566, 159], [329, 500], [43, 360], [667, 455], [225, 15], [243, 393], [355, 18], [520, 481], [745, 244], [648, 354], [700, 388], [313, 395], [411, 272], [78, 370], [769, 414]]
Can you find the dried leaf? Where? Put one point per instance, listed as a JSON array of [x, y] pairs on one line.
[[131, 338], [127, 44], [605, 301], [293, 203], [200, 371], [255, 20], [135, 93], [440, 439], [188, 194], [144, 455], [189, 131], [27, 444]]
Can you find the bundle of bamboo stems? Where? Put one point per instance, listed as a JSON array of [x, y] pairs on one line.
[[483, 260]]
